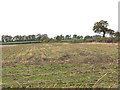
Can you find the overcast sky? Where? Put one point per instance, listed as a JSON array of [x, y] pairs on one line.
[[56, 17]]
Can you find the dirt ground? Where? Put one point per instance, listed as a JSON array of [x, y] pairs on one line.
[[62, 43]]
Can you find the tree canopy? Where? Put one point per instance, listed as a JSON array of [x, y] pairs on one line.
[[101, 27]]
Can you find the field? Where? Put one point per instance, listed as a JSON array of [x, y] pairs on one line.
[[18, 42], [60, 65], [30, 42]]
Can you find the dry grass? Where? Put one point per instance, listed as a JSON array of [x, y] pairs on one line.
[[7, 46], [60, 65]]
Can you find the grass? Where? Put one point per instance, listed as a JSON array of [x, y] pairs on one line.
[[58, 65], [18, 42], [73, 40]]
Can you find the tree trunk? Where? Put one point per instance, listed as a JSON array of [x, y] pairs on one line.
[[103, 34]]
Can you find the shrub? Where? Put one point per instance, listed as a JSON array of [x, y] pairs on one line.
[[108, 40]]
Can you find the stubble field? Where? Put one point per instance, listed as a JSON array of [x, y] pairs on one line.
[[60, 65]]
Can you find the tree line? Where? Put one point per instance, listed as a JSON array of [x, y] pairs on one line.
[[38, 37], [44, 37], [99, 27]]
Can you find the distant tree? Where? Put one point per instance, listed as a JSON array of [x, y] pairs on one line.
[[75, 36], [62, 37], [20, 38], [44, 35], [44, 39], [111, 32], [79, 37], [117, 34], [15, 38], [68, 37], [51, 40], [88, 37], [101, 27], [96, 36], [7, 38], [29, 37], [38, 37], [24, 37], [58, 38], [33, 37], [4, 38]]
